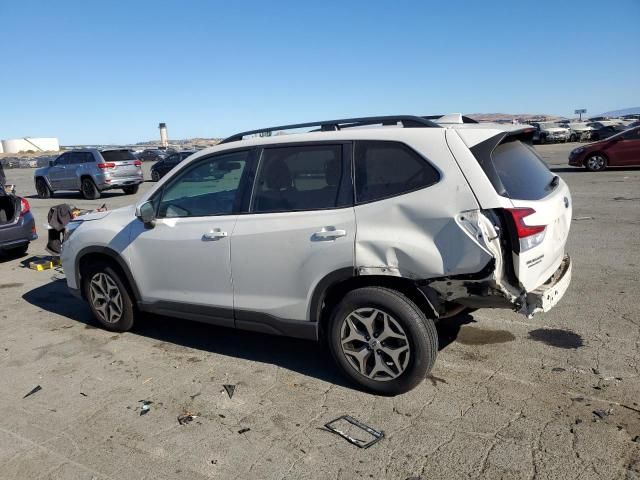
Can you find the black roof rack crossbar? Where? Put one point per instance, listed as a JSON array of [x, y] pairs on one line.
[[408, 121]]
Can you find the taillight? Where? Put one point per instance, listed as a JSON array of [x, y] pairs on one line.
[[24, 207], [528, 235], [137, 163], [104, 166]]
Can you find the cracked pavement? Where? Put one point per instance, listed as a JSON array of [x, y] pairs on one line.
[[509, 397]]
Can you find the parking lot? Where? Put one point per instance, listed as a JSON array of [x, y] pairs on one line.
[[555, 396]]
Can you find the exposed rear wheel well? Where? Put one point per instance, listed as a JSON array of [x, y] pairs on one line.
[[336, 292]]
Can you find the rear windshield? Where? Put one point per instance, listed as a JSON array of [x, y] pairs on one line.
[[118, 155], [520, 171]]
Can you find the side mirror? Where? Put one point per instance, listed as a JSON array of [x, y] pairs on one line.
[[51, 163], [147, 214]]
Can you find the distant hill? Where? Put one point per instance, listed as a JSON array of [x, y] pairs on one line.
[[618, 113], [508, 117]]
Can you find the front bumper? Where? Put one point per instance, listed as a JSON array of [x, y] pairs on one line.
[[547, 296]]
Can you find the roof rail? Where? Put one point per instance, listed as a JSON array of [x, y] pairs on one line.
[[408, 121]]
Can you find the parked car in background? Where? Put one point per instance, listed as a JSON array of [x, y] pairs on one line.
[[578, 131], [153, 154], [620, 150], [90, 171], [161, 168], [17, 225], [600, 130], [363, 237], [548, 132]]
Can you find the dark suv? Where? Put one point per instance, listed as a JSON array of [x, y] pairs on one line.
[[161, 168]]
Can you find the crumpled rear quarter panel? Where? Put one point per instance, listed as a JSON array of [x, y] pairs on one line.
[[416, 235]]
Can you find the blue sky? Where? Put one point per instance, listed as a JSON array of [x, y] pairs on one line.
[[108, 72]]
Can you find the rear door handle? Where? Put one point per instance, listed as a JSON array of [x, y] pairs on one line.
[[214, 235], [329, 233]]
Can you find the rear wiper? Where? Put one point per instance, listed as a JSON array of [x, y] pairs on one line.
[[554, 182]]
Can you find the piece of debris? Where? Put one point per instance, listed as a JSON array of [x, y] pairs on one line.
[[578, 421], [186, 418], [195, 395], [352, 422], [577, 219], [595, 371], [558, 369], [636, 439], [83, 394], [601, 414], [230, 389], [144, 409], [243, 430], [35, 389], [214, 462], [221, 415]]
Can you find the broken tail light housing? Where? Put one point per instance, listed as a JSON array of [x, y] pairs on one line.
[[24, 207], [105, 166], [529, 235]]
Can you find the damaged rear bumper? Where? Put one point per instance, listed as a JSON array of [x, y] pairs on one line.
[[545, 297]]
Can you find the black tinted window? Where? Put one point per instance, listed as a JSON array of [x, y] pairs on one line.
[[118, 155], [522, 173], [386, 169], [632, 134], [207, 188], [301, 178]]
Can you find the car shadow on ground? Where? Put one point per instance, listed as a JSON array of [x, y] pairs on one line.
[[302, 356]]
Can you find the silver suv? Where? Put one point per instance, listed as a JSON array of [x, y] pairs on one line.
[[90, 171], [363, 233]]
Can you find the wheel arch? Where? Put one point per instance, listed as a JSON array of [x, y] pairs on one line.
[[46, 180], [99, 253], [333, 287]]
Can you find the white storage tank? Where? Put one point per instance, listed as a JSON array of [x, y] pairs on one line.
[[34, 144]]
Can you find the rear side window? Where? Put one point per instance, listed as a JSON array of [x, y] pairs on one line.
[[301, 178], [118, 155], [387, 169], [520, 172]]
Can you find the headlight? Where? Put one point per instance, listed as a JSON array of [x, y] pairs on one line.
[[70, 228], [578, 150]]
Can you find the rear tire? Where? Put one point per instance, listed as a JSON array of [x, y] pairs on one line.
[[89, 189], [108, 296], [131, 190], [382, 341], [43, 189], [596, 162]]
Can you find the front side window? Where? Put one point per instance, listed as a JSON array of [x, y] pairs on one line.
[[632, 134], [301, 178], [207, 188], [386, 169]]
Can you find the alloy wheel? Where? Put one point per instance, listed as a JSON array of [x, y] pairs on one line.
[[596, 162], [375, 344], [106, 298]]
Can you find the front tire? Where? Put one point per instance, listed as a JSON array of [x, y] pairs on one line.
[[108, 297], [596, 162], [89, 189], [155, 176], [42, 189], [382, 341], [131, 190]]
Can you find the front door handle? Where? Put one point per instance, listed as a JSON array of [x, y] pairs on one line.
[[214, 234], [329, 233]]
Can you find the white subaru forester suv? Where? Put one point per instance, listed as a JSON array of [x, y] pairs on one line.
[[361, 232]]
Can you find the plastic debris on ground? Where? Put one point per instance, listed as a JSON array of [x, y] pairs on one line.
[[35, 389], [230, 389], [44, 263], [186, 418], [351, 429], [244, 430], [144, 409]]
